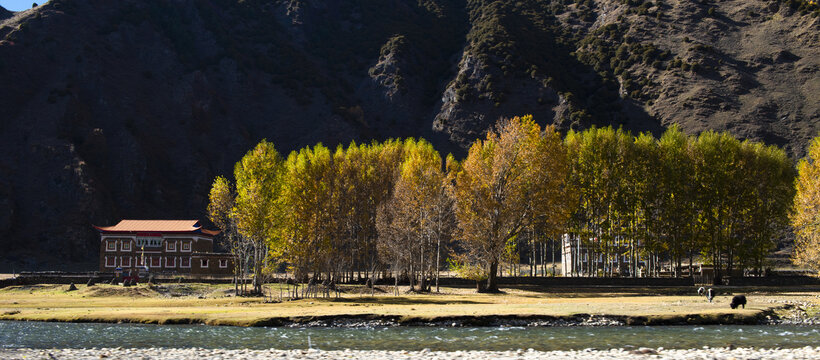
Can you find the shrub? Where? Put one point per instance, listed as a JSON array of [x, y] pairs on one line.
[[628, 84], [467, 270], [580, 116]]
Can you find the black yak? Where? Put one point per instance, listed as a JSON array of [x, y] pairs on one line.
[[738, 300], [701, 291], [710, 294]]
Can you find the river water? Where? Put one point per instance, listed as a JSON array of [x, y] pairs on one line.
[[41, 335]]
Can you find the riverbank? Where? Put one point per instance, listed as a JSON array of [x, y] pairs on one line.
[[215, 305], [196, 353]]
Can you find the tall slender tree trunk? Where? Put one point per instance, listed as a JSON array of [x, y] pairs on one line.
[[492, 285], [438, 260], [543, 257], [691, 270], [631, 257], [412, 277], [396, 282], [534, 259]]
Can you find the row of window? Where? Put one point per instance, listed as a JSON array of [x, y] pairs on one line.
[[125, 245], [156, 262], [148, 241]]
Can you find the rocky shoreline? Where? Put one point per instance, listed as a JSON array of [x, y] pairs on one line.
[[793, 313], [787, 312], [199, 353], [360, 321], [373, 320], [768, 317]]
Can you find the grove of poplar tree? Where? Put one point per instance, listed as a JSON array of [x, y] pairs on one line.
[[397, 207], [806, 215]]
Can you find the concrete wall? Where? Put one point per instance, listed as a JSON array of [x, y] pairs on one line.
[[82, 278], [213, 264], [772, 281]]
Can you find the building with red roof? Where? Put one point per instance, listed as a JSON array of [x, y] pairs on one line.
[[163, 246]]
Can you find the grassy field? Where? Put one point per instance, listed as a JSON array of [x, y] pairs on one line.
[[212, 304]]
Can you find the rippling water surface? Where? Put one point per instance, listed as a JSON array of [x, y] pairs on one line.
[[68, 335]]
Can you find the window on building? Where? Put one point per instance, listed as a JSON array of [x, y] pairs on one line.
[[186, 246], [203, 263], [110, 245], [126, 245], [125, 261], [140, 261], [185, 262], [155, 262], [223, 263], [148, 241], [170, 262], [170, 246], [110, 261]]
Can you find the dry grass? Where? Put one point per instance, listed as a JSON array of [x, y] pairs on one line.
[[208, 304]]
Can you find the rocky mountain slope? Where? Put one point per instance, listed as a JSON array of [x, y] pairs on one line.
[[128, 109], [5, 14]]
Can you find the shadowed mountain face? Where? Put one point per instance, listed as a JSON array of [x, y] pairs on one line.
[[129, 109], [5, 14]]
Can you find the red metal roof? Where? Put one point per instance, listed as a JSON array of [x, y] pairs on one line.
[[157, 226], [211, 232]]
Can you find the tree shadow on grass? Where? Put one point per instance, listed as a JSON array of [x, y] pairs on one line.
[[539, 291], [400, 300]]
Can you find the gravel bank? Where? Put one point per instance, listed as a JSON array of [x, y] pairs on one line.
[[160, 353], [795, 312], [455, 321]]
